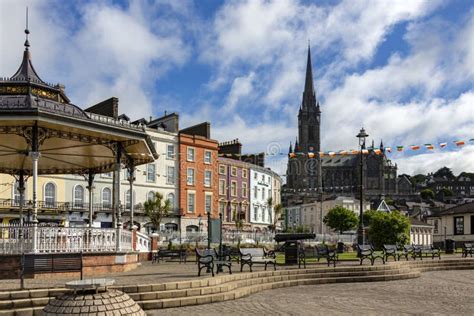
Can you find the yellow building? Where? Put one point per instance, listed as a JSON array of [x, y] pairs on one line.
[[51, 199]]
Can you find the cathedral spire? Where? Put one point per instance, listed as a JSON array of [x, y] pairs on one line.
[[296, 145], [308, 84], [291, 149]]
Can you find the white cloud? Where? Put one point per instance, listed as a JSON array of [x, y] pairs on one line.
[[241, 87], [458, 161]]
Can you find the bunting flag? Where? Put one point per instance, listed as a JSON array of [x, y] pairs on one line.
[[377, 151]]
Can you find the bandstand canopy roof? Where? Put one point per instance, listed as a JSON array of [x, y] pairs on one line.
[[38, 115]]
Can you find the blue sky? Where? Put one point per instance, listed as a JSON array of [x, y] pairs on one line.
[[402, 69]]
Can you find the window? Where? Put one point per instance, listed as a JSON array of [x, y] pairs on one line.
[[222, 186], [150, 196], [207, 157], [472, 224], [459, 225], [190, 178], [222, 208], [50, 194], [78, 198], [106, 198], [221, 169], [255, 191], [233, 211], [191, 197], [263, 178], [263, 213], [207, 178], [190, 154], [255, 176], [107, 175], [150, 173], [436, 225], [233, 171], [16, 194], [170, 197], [170, 175], [269, 193], [208, 203], [263, 194], [255, 213], [244, 173], [169, 151], [270, 215], [244, 189], [233, 188]]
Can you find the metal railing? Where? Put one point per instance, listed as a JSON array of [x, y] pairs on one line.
[[15, 239]]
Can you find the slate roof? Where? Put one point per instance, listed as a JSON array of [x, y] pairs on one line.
[[466, 208], [339, 161]]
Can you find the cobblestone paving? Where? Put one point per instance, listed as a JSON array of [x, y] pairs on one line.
[[434, 293]]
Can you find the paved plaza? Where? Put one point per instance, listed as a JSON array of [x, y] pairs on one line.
[[434, 293]]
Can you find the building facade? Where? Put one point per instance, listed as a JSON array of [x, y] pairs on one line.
[[198, 190], [234, 199]]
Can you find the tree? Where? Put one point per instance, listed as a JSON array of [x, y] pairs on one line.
[[427, 194], [156, 209], [445, 192], [278, 209], [444, 172], [341, 219], [389, 228]]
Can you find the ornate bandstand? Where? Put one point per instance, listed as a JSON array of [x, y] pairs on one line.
[[43, 133]]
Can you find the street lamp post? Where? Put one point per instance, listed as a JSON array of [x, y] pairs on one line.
[[361, 234], [219, 267], [199, 228], [208, 230]]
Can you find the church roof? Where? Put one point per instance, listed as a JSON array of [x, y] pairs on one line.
[[339, 161]]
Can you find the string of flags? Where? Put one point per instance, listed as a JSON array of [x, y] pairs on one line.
[[378, 151], [324, 188]]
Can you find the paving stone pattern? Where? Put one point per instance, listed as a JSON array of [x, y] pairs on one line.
[[434, 293]]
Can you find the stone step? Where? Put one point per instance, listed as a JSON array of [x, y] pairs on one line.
[[245, 291], [203, 290]]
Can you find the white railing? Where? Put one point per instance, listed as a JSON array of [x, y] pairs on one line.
[[27, 239], [143, 243]]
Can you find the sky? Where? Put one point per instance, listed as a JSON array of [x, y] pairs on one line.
[[403, 70]]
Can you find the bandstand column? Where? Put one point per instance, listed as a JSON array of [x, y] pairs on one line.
[[116, 195], [21, 190], [90, 188], [35, 157], [131, 179]]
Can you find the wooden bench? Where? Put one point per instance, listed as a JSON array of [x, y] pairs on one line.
[[181, 254], [467, 249], [426, 251], [209, 258], [50, 263], [251, 256], [391, 251], [368, 252]]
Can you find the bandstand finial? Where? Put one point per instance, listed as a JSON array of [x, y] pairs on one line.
[[27, 31]]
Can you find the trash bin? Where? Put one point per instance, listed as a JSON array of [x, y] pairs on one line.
[[340, 247], [450, 246], [291, 252]]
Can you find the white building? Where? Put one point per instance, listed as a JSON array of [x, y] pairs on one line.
[[262, 183], [310, 216]]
